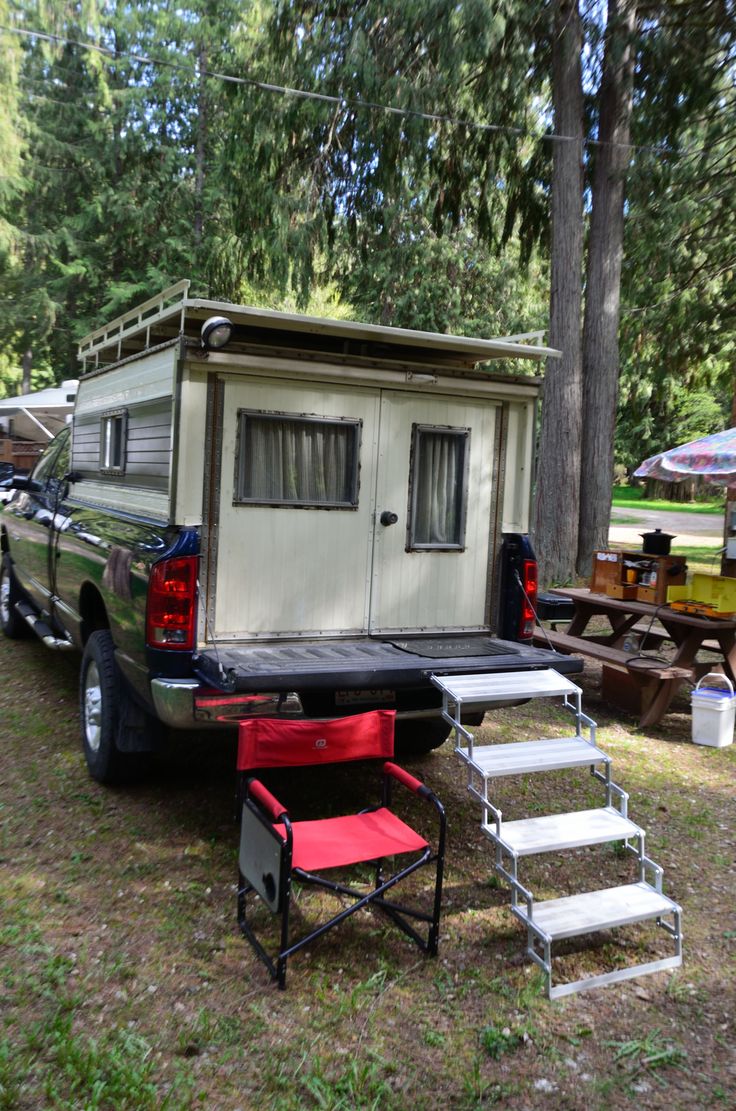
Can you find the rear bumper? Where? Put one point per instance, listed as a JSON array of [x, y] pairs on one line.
[[186, 704]]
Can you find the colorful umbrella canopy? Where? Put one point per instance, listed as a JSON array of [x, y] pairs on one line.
[[712, 458]]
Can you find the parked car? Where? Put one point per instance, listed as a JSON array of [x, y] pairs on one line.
[[261, 513]]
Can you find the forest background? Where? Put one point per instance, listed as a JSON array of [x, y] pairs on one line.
[[486, 167]]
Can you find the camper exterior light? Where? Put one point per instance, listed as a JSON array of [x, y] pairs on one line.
[[216, 333]]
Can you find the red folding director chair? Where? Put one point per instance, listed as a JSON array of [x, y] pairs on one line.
[[274, 850]]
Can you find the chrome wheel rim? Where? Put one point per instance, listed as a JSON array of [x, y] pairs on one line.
[[93, 708], [4, 596]]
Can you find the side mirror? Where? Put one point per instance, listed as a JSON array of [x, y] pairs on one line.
[[73, 476], [7, 470], [23, 482]]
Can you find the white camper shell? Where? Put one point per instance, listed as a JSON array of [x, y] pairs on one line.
[[350, 483]]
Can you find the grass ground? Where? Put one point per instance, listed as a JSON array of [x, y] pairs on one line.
[[124, 982], [632, 497]]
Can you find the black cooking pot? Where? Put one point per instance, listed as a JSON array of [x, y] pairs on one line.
[[657, 542]]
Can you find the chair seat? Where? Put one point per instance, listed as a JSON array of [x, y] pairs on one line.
[[336, 842]]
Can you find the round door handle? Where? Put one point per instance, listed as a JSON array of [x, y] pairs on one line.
[[389, 518]]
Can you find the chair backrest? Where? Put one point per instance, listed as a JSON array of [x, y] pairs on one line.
[[274, 743]]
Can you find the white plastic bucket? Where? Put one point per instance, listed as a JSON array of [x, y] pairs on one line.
[[714, 712]]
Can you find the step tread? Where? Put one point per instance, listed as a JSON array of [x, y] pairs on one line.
[[574, 915], [545, 754], [553, 832], [487, 689]]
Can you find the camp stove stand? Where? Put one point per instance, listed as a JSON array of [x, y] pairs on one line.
[[574, 915]]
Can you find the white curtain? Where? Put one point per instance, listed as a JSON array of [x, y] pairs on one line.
[[439, 462], [285, 460]]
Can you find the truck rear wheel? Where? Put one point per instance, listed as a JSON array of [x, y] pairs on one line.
[[11, 622], [416, 737], [105, 709]]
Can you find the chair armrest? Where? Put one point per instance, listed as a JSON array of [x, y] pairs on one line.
[[408, 780], [393, 771], [268, 802]]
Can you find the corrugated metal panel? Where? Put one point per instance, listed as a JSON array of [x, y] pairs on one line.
[[135, 500], [148, 446], [148, 378]]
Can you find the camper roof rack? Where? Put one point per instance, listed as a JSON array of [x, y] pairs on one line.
[[172, 312]]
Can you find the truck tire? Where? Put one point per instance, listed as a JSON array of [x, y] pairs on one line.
[[105, 708], [419, 736], [11, 622]]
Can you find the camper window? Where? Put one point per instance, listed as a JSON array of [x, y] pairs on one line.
[[113, 430], [298, 461], [438, 488]]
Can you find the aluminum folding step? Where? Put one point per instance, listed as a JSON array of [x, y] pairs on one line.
[[576, 915], [555, 832], [523, 757], [484, 690]]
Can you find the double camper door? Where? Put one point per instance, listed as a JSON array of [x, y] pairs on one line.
[[350, 510]]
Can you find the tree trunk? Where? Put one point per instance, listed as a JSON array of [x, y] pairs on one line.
[[26, 366], [728, 566], [558, 471], [603, 285], [201, 148]]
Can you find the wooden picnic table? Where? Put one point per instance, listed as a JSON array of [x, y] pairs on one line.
[[659, 680]]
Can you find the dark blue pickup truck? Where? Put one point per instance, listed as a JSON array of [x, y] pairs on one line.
[[255, 513]]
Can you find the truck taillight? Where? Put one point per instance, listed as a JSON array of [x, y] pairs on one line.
[[529, 598], [172, 604]]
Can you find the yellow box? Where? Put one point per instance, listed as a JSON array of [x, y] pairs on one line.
[[716, 594]]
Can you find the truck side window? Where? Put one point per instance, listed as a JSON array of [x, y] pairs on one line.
[[438, 488], [113, 432], [298, 461], [55, 459]]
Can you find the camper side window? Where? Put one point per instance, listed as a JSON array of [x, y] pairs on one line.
[[298, 461], [438, 488], [113, 429]]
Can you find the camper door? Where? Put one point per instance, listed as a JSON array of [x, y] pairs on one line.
[[348, 510]]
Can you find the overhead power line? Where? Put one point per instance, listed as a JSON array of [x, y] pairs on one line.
[[326, 98]]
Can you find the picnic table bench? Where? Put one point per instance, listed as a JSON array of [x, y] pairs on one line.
[[658, 680]]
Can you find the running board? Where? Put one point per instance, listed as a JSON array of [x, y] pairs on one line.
[[43, 631]]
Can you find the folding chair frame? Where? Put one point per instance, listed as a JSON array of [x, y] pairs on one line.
[[261, 805]]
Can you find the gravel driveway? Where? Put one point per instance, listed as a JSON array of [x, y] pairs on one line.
[[690, 529]]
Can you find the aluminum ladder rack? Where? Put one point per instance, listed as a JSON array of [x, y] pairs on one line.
[[573, 915]]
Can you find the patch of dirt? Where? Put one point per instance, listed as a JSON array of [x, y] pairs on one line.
[[125, 982]]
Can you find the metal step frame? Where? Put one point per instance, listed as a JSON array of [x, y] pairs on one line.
[[572, 915]]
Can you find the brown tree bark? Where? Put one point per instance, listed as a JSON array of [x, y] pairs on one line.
[[728, 566], [201, 148], [558, 469], [603, 284], [26, 367]]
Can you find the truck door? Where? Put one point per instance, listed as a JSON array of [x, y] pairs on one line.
[[292, 543], [34, 518], [433, 510]]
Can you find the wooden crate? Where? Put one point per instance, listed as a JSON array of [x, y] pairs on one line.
[[608, 570], [657, 595]]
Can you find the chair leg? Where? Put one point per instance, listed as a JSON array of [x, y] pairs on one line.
[[283, 950], [277, 968]]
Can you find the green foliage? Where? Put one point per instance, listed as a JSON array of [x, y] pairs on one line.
[[497, 1042], [122, 175]]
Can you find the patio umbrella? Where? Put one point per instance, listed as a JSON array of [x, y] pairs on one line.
[[712, 458]]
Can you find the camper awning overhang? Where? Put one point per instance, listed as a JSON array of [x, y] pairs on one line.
[[174, 313]]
